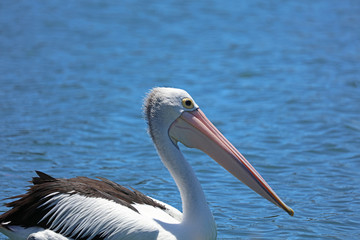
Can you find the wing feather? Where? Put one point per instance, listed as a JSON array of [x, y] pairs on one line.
[[82, 208]]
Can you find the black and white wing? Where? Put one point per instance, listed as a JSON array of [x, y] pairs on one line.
[[84, 208]]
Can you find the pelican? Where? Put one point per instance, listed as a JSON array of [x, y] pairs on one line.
[[84, 208]]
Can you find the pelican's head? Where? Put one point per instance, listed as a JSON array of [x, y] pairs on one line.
[[173, 112]]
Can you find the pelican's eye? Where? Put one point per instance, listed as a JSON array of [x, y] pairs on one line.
[[187, 103]]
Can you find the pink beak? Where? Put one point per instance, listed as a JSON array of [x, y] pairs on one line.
[[194, 130]]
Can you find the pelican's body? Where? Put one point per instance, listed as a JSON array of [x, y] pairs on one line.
[[83, 208]]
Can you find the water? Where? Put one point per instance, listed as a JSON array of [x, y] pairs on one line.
[[280, 79]]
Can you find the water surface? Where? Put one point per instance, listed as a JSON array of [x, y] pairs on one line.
[[280, 79]]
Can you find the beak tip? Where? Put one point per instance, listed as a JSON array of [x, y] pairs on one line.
[[290, 211]]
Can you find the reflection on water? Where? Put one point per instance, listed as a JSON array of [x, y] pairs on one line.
[[281, 81]]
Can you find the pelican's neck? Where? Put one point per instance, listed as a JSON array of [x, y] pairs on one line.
[[195, 208]]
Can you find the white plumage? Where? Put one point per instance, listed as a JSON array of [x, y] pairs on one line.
[[83, 208]]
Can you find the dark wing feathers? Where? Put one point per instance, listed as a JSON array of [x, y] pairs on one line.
[[131, 196], [43, 177], [28, 211]]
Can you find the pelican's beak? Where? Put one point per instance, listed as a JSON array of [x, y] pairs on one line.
[[194, 130]]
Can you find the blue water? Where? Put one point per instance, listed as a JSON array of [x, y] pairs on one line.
[[280, 79]]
